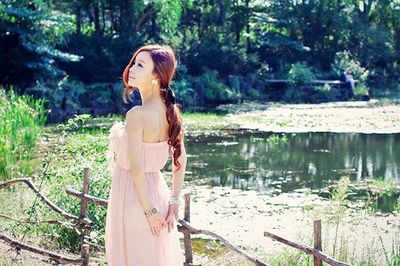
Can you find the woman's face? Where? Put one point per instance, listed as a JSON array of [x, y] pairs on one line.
[[140, 73]]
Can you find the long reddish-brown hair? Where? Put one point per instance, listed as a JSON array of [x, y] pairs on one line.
[[164, 68]]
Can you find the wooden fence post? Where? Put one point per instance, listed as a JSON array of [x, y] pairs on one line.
[[317, 241], [186, 236], [84, 215]]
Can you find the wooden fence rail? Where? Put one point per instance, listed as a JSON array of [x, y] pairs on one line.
[[83, 227], [318, 255]]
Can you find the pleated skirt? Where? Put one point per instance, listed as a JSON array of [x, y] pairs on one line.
[[128, 238]]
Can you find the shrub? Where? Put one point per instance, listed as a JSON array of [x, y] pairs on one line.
[[69, 98], [300, 74], [300, 94], [185, 93], [254, 94], [211, 89], [299, 90]]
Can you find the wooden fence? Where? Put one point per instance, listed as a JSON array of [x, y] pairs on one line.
[[83, 227]]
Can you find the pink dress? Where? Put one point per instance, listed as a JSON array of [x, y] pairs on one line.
[[128, 238]]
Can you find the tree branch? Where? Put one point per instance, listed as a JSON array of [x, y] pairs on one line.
[[55, 256], [54, 207]]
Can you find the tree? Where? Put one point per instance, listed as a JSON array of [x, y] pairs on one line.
[[28, 35]]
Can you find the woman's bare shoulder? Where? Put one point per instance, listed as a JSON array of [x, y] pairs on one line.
[[135, 114], [142, 114], [139, 111]]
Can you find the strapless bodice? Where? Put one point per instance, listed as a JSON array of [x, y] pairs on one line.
[[155, 153]]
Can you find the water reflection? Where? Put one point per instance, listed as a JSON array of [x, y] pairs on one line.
[[251, 160]]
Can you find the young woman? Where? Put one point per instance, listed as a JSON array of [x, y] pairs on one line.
[[141, 224]]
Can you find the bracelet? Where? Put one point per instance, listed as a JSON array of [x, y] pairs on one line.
[[173, 200], [151, 212]]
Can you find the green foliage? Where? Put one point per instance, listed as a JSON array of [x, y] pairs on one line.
[[192, 91], [28, 37], [336, 211], [217, 51], [185, 93], [169, 16], [73, 152], [214, 89], [205, 122], [103, 57], [278, 140], [326, 88], [298, 94], [301, 90], [297, 30], [290, 256], [75, 124], [21, 121], [382, 195], [67, 98], [361, 90], [300, 73], [44, 42], [184, 89], [346, 59], [254, 94]]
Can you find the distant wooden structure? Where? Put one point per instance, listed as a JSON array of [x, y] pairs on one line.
[[276, 88], [315, 81], [333, 83]]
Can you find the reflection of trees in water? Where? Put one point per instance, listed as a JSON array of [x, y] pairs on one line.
[[306, 159], [377, 157]]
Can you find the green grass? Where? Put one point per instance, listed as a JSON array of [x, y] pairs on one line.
[[206, 122], [338, 246], [21, 121]]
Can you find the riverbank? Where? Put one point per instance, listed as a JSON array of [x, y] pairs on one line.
[[243, 216], [375, 116], [239, 216]]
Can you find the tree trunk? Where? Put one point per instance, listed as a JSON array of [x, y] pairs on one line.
[[126, 13], [121, 21], [247, 26], [103, 18], [96, 17], [78, 15]]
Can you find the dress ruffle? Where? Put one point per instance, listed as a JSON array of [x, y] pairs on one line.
[[117, 152]]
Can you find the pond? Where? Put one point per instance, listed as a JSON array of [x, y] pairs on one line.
[[287, 162]]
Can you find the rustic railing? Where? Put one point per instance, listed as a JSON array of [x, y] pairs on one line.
[[83, 227]]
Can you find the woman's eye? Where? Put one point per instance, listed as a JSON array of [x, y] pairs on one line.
[[140, 65]]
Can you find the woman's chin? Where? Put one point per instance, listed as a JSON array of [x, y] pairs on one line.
[[131, 84]]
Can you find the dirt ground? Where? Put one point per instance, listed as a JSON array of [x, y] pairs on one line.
[[374, 116]]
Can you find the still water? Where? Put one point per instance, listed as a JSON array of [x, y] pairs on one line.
[[261, 160]]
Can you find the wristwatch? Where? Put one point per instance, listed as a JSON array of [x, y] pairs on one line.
[[151, 212]]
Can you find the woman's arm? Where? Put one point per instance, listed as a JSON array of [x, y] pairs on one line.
[[134, 130], [178, 176]]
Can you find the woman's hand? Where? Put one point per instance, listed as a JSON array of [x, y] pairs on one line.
[[173, 213], [156, 223]]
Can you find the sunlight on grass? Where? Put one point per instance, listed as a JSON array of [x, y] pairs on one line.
[[206, 122], [21, 122]]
